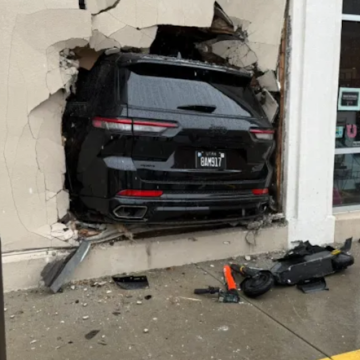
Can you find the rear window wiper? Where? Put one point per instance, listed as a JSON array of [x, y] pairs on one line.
[[201, 108]]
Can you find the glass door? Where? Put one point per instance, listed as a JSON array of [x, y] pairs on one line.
[[346, 191]]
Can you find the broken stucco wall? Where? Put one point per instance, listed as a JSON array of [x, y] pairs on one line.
[[263, 21], [32, 159], [35, 39]]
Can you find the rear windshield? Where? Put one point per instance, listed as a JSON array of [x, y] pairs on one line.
[[180, 88]]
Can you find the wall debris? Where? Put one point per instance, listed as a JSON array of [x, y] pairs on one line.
[[269, 104], [269, 81], [263, 20]]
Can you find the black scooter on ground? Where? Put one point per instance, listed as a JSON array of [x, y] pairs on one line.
[[302, 264]]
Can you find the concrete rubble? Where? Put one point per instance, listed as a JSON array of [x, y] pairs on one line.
[[44, 43], [269, 104], [269, 82]]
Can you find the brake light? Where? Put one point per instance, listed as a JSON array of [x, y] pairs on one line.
[[263, 134], [126, 125], [260, 191], [112, 124], [141, 193]]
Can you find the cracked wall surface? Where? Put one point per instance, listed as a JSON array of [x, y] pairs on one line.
[[37, 67], [263, 21]]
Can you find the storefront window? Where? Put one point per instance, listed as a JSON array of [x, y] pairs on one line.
[[351, 7], [347, 134]]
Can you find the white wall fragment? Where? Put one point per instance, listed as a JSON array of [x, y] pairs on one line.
[[236, 52], [266, 19], [270, 105], [61, 232], [269, 81]]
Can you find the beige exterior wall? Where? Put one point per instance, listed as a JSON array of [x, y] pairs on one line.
[[34, 77]]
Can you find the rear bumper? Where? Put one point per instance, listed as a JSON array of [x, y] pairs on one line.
[[176, 207]]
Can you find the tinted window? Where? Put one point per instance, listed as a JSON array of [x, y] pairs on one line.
[[171, 87], [351, 7]]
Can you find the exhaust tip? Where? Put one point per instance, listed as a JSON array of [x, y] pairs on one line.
[[130, 212]]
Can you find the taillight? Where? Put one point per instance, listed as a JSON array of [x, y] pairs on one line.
[[260, 191], [126, 125], [263, 134], [141, 193], [152, 126], [112, 124]]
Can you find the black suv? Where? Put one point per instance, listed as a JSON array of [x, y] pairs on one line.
[[152, 138]]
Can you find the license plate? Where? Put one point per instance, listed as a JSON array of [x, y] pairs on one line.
[[210, 160]]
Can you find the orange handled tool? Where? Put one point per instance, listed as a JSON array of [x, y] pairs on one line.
[[230, 282]]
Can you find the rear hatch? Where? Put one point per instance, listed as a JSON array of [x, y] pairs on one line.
[[200, 125]]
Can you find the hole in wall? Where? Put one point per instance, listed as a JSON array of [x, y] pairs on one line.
[[90, 190]]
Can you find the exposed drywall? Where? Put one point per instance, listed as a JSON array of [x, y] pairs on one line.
[[37, 67]]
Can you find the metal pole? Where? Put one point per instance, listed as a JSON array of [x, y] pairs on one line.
[[2, 318]]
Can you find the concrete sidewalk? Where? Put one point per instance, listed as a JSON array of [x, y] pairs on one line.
[[282, 325]]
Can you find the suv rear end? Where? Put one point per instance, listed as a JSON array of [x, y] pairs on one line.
[[151, 139]]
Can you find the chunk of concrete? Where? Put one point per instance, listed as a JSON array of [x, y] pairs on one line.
[[269, 82], [236, 52], [241, 24], [269, 105], [222, 23], [61, 232], [266, 18]]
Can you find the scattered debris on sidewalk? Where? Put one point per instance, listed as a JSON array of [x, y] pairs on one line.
[[57, 273], [91, 334], [131, 282], [230, 295], [312, 285]]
